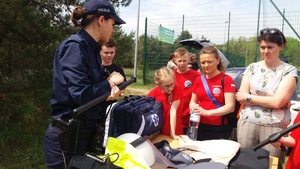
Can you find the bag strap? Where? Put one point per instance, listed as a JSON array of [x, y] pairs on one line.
[[213, 99], [209, 93], [138, 141], [222, 83]]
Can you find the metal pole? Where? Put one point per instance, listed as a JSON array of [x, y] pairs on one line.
[[228, 34], [247, 41], [285, 19], [256, 48], [145, 51], [136, 41], [224, 36], [182, 23]]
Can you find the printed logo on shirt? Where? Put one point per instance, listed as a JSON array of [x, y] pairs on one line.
[[188, 84], [216, 91]]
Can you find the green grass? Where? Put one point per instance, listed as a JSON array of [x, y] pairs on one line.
[[137, 88], [22, 128]]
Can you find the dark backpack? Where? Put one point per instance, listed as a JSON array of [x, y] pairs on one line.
[[142, 115], [232, 117], [247, 158]]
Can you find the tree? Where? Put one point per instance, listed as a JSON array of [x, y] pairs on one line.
[[124, 48], [119, 3], [30, 31], [28, 36], [291, 51], [183, 35]]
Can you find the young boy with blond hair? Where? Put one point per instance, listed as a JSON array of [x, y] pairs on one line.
[[184, 78]]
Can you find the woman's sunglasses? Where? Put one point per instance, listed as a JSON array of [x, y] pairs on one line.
[[271, 31]]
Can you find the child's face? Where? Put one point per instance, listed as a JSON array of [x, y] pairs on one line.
[[193, 59], [182, 62], [167, 85]]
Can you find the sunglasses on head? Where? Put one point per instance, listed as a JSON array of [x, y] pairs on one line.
[[271, 31]]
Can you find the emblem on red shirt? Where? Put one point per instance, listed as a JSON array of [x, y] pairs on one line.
[[216, 91], [187, 84]]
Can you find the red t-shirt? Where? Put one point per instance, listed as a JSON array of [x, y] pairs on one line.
[[185, 81], [217, 92], [294, 160], [163, 98]]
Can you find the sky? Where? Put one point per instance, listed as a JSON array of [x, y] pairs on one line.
[[157, 9]]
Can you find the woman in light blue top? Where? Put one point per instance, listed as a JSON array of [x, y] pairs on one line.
[[266, 89]]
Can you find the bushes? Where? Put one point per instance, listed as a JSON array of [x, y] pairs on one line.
[[24, 118]]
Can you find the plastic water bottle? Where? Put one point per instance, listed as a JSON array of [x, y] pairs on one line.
[[193, 127]]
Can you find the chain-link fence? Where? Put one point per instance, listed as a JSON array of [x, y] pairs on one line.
[[233, 34]]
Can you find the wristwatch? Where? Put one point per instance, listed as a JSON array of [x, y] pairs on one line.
[[248, 99]]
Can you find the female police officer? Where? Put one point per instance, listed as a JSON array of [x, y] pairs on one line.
[[78, 79]]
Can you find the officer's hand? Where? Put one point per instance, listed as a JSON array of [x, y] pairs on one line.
[[116, 78], [115, 93]]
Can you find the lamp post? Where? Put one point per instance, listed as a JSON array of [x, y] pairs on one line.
[[225, 35]]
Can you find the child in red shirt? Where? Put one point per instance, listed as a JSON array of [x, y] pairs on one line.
[[184, 78], [292, 141], [169, 94]]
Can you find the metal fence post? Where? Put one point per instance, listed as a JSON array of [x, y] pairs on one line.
[[145, 52]]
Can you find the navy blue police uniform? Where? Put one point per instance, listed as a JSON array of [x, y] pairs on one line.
[[77, 79]]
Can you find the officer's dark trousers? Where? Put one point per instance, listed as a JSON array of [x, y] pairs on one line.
[[55, 158]]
